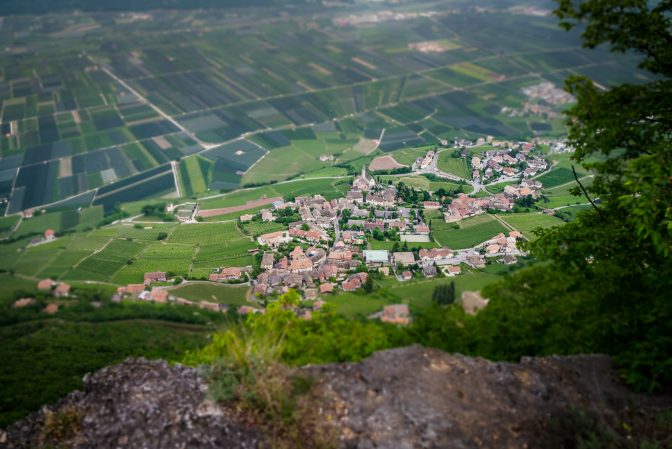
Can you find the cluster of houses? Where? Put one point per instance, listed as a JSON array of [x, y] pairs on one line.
[[160, 295], [422, 163], [510, 162], [316, 267], [465, 206], [58, 289], [543, 100]]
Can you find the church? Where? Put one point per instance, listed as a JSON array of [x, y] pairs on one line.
[[363, 182]]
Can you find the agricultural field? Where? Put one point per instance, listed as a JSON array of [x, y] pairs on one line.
[[454, 165], [423, 183], [417, 292], [330, 188], [556, 177], [89, 123], [375, 244], [256, 228], [60, 221], [466, 233], [231, 295], [526, 223]]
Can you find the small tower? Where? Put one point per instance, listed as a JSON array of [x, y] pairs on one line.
[[364, 171]]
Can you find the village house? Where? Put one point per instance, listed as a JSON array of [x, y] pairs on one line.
[[267, 215], [422, 229], [267, 260], [423, 162], [371, 225], [132, 290], [431, 205], [159, 295], [396, 314], [354, 237], [211, 306], [274, 239], [45, 284], [377, 257], [363, 182], [429, 271], [406, 276], [326, 288], [309, 236], [24, 302], [476, 261], [246, 217], [355, 197], [156, 276], [183, 302], [310, 294], [51, 308], [403, 258], [301, 265], [227, 274], [62, 290], [435, 254], [354, 282], [49, 234], [453, 270]]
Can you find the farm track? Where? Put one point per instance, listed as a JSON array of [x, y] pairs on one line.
[[228, 210]]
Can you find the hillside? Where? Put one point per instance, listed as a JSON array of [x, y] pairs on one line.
[[403, 398]]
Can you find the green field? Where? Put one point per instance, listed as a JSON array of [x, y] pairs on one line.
[[256, 228], [417, 292], [123, 253], [423, 183], [43, 361], [194, 175], [60, 221], [455, 165], [526, 223], [470, 232], [222, 294], [556, 177], [329, 188], [7, 224], [375, 244]]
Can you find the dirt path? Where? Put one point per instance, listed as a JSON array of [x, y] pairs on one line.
[[228, 210]]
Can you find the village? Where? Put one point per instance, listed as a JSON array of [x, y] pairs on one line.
[[328, 248], [326, 251]]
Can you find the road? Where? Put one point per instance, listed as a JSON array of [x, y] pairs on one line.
[[433, 169], [144, 100]]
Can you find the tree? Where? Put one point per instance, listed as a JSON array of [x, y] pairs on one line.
[[615, 260], [444, 294], [368, 285]]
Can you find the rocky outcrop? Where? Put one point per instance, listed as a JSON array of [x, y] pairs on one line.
[[138, 404], [398, 399]]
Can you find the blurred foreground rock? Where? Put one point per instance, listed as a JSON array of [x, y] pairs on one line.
[[404, 398]]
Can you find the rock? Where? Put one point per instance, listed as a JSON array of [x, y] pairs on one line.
[[404, 398], [416, 397], [142, 404]]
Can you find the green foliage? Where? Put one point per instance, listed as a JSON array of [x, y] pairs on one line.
[[607, 275], [444, 294], [245, 363], [45, 360], [157, 210], [61, 426]]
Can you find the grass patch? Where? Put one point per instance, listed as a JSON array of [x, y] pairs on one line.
[[222, 294], [526, 223], [455, 165], [469, 232]]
